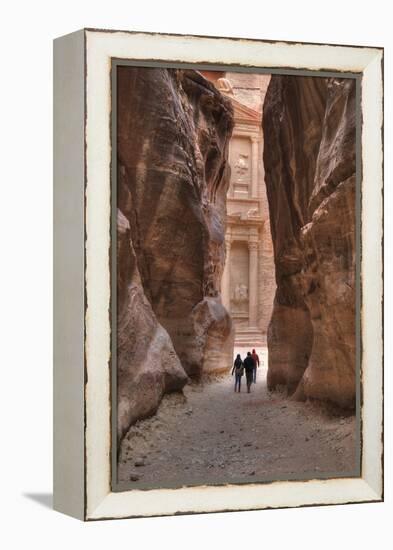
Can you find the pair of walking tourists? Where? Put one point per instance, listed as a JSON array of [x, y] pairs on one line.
[[250, 365]]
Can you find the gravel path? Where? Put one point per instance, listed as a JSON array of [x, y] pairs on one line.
[[213, 435]]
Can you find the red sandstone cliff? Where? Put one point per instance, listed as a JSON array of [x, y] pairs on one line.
[[173, 133], [309, 157]]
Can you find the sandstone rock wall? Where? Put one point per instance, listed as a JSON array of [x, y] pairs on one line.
[[173, 132], [147, 364], [309, 157]]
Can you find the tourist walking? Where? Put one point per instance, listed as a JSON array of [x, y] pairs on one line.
[[238, 370], [249, 368], [255, 356]]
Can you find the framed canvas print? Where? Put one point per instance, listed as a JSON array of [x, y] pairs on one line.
[[218, 274]]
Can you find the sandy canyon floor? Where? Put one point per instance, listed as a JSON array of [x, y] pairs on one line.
[[210, 434]]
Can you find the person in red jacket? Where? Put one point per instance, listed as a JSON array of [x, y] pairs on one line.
[[254, 355]]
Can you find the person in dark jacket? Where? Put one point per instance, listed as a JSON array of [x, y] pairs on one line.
[[249, 368], [255, 356], [238, 370]]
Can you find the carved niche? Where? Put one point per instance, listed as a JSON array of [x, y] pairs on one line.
[[241, 167], [239, 291], [240, 161]]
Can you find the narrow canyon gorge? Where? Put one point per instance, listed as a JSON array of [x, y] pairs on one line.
[[174, 334]]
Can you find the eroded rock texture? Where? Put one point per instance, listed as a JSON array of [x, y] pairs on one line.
[[148, 365], [309, 126], [173, 134]]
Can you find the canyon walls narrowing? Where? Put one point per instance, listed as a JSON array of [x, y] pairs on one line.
[[309, 157], [173, 130]]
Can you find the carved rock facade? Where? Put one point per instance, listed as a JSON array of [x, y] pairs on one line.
[[309, 157], [173, 133], [248, 282]]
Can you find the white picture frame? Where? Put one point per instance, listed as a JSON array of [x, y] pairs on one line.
[[82, 175]]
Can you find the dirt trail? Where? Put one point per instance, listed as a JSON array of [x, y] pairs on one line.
[[213, 435]]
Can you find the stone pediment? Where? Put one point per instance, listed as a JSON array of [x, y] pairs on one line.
[[245, 114]]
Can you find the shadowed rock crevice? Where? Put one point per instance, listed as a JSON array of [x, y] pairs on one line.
[[173, 174], [309, 158]]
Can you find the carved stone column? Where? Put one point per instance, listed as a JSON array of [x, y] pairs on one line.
[[254, 166], [226, 278], [253, 282]]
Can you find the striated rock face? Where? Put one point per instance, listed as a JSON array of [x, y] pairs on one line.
[[309, 156], [173, 133], [147, 365]]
